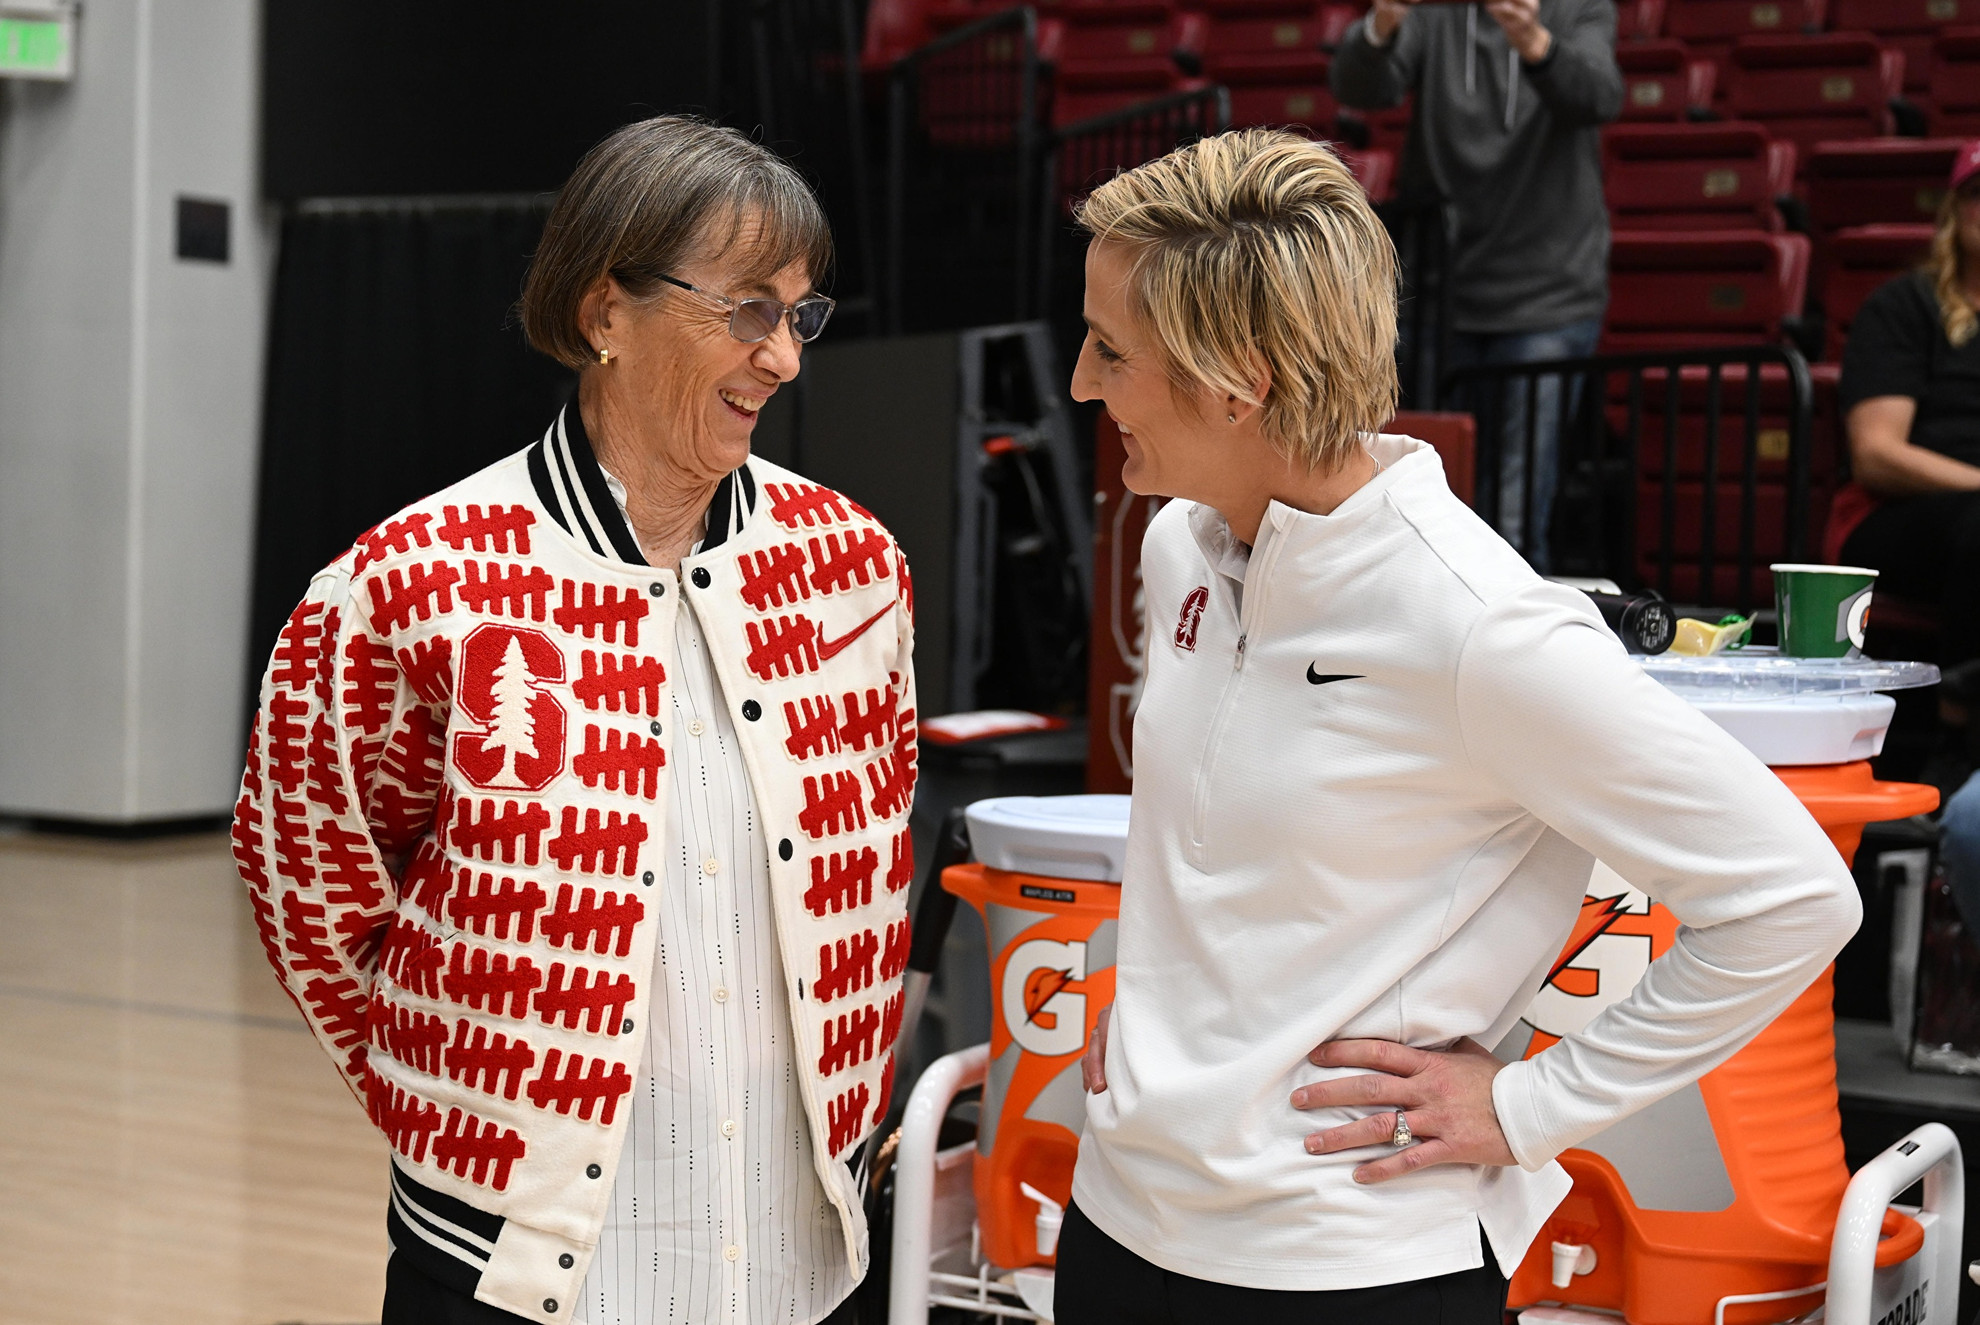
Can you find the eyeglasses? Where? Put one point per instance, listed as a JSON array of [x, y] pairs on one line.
[[752, 320]]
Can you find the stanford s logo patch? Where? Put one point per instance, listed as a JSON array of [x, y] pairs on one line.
[[1191, 618], [521, 744]]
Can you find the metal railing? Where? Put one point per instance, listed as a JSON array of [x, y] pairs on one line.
[[1656, 427], [1425, 236], [962, 166], [1087, 153]]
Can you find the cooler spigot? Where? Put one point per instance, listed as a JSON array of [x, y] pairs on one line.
[[1571, 1259], [1051, 1215]]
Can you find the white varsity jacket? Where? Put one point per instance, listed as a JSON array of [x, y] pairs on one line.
[[450, 825]]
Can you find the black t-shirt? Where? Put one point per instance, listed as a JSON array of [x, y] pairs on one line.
[[1898, 347]]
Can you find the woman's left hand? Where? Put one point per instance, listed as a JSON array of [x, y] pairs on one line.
[[1446, 1097]]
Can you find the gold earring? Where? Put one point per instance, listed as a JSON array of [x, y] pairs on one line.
[[604, 355]]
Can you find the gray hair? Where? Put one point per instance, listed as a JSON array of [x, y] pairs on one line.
[[653, 195]]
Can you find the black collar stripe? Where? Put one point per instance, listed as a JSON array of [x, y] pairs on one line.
[[597, 492], [539, 478], [573, 489], [567, 487]]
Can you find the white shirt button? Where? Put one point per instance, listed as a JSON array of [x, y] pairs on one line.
[[731, 1252], [695, 728], [721, 995], [728, 1127], [711, 867]]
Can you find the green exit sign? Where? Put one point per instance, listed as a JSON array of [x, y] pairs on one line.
[[37, 47]]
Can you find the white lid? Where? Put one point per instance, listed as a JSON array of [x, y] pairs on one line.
[[1059, 837], [1806, 729]]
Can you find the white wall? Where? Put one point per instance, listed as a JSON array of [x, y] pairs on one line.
[[130, 388]]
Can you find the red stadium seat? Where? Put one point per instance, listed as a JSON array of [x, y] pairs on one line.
[[1126, 43], [1639, 20], [1816, 88], [1264, 48], [1955, 84], [1877, 180], [1376, 171], [1729, 20], [1703, 288], [1710, 27], [1662, 82], [1695, 176], [1271, 62], [1856, 263], [893, 28], [1111, 55], [1307, 105], [1073, 104], [1388, 130], [1906, 25]]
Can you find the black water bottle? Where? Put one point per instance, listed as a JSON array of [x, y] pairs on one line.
[[1644, 621]]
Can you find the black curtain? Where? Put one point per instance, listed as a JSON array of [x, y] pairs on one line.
[[395, 367]]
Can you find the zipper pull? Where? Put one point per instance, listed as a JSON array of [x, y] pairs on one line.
[[1240, 650]]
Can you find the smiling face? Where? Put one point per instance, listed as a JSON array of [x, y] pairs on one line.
[[677, 376], [1177, 445]]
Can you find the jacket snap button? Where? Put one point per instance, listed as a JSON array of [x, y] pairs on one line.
[[752, 710], [625, 1027], [647, 878], [654, 727], [567, 1260], [656, 588], [700, 577], [784, 849], [550, 1305], [592, 1171]]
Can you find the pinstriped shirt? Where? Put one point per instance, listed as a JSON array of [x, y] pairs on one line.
[[717, 1215]]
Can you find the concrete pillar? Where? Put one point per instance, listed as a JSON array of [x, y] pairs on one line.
[[130, 390]]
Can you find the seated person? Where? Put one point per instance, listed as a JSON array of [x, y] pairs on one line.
[[1911, 401]]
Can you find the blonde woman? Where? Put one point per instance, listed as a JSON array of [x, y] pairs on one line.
[[1911, 389], [1375, 761]]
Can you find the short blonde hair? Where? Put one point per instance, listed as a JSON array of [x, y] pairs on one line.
[[1259, 245]]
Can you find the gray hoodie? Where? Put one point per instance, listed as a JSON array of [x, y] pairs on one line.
[[1515, 147]]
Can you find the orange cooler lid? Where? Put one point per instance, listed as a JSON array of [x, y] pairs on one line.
[[1058, 837]]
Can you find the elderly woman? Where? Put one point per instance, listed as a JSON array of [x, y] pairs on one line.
[[1375, 761], [575, 816]]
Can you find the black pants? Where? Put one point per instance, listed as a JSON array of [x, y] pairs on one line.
[[1927, 549], [411, 1298], [1100, 1282]]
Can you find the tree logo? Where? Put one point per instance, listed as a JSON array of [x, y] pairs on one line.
[[521, 744]]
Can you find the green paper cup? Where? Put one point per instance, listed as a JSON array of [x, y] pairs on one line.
[[1822, 609]]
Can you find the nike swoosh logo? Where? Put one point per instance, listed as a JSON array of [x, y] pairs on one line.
[[1318, 679], [829, 649]]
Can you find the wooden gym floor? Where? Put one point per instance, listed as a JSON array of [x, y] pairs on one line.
[[173, 1145]]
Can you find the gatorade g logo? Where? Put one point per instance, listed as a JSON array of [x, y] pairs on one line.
[[520, 746], [1853, 615], [1615, 938], [1044, 1015]]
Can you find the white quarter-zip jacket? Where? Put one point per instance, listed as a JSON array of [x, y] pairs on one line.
[[1370, 788]]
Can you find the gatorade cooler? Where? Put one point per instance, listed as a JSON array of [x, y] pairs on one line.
[[1728, 1191], [1047, 880]]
